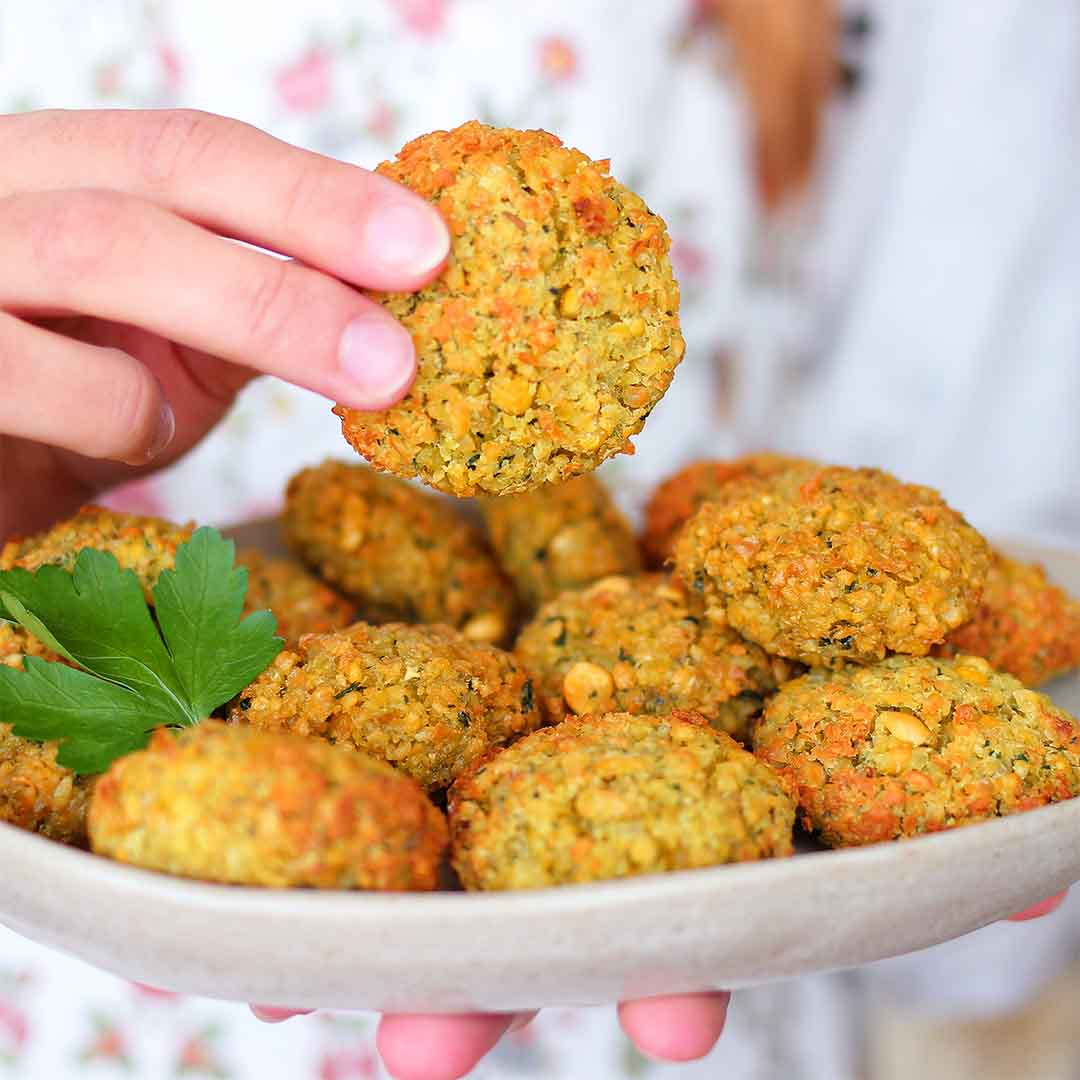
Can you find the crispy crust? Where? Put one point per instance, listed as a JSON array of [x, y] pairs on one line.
[[400, 553], [35, 793], [423, 698], [614, 796], [836, 565], [643, 645], [553, 330], [301, 603], [250, 807], [559, 537], [1024, 625], [913, 746], [146, 545], [678, 498]]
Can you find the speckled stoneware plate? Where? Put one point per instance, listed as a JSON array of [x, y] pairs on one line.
[[724, 927]]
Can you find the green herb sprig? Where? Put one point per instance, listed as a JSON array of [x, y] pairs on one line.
[[135, 670]]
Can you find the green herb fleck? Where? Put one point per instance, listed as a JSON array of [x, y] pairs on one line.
[[351, 688]]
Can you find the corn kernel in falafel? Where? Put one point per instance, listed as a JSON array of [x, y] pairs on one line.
[[614, 796], [551, 333], [915, 745]]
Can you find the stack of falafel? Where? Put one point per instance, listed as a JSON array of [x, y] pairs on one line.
[[788, 639]]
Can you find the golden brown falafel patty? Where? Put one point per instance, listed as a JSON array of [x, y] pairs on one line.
[[300, 602], [36, 794], [559, 537], [643, 645], [836, 565], [399, 552], [250, 807], [916, 745], [614, 796], [423, 698], [145, 545], [677, 499], [1024, 625], [550, 335]]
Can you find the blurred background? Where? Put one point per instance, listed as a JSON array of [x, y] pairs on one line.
[[876, 228]]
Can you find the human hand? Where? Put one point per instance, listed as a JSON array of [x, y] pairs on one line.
[[676, 1028], [416, 1047], [128, 323]]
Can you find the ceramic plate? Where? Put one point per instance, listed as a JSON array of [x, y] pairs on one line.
[[724, 927]]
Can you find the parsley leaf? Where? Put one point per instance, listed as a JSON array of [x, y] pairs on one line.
[[136, 674], [198, 609], [98, 721], [98, 617]]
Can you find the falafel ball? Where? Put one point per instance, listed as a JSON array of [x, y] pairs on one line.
[[250, 807], [1024, 625], [836, 565], [398, 552], [300, 602], [145, 545], [676, 499], [550, 335], [558, 537], [643, 645], [916, 745], [36, 794], [614, 796], [423, 698]]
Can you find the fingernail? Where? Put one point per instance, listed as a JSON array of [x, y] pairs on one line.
[[377, 357], [407, 237], [163, 433]]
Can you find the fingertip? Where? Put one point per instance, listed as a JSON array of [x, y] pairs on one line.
[[377, 361], [676, 1028], [1037, 911], [404, 240], [271, 1014], [437, 1047]]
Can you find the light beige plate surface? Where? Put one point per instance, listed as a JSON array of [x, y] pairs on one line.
[[725, 927]]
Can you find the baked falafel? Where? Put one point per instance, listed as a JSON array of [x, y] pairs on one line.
[[836, 565], [552, 332], [423, 698], [300, 602], [1024, 624], [398, 552], [915, 745], [614, 796], [676, 499], [643, 645], [559, 537], [36, 794], [248, 807], [145, 545]]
